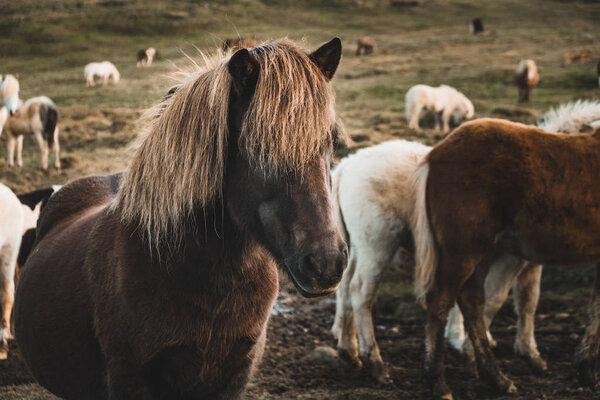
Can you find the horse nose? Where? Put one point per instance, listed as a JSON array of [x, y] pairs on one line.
[[326, 267]]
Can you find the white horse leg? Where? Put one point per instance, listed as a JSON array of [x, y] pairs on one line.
[[20, 150], [363, 289], [446, 120], [414, 117], [8, 263], [43, 149], [11, 143], [455, 329], [105, 79], [527, 292], [343, 328], [56, 147]]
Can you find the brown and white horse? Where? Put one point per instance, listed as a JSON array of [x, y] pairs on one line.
[[526, 77], [38, 117], [9, 91], [494, 188], [364, 45], [145, 57], [159, 282]]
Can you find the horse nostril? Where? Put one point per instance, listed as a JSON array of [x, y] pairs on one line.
[[310, 265]]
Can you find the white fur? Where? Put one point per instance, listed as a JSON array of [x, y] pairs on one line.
[[15, 219], [571, 117], [381, 193], [104, 70], [443, 99], [9, 90]]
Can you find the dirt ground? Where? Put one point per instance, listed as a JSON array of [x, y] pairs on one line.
[[289, 369]]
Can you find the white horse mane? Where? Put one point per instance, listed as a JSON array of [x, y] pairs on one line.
[[572, 117]]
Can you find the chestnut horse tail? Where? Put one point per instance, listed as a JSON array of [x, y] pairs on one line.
[[336, 176], [49, 117], [425, 249]]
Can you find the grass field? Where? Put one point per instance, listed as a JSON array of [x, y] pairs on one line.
[[49, 42]]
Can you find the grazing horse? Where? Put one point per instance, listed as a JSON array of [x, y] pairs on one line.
[[145, 57], [526, 77], [16, 217], [533, 195], [476, 26], [238, 43], [444, 100], [159, 282], [38, 116], [9, 90], [375, 206], [365, 45], [104, 70]]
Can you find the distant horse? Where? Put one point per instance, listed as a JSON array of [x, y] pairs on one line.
[[9, 90], [159, 282], [238, 43], [145, 57], [104, 70], [365, 45], [444, 100], [584, 56], [526, 77], [38, 116], [476, 26], [375, 206], [15, 219], [537, 196]]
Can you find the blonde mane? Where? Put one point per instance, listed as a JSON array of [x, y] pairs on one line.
[[179, 166]]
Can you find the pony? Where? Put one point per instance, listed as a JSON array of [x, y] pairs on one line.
[[375, 204], [158, 282], [582, 116], [145, 57], [16, 217], [584, 56], [533, 195], [9, 90], [526, 77], [365, 45], [237, 43], [444, 100], [38, 116], [476, 26], [105, 70]]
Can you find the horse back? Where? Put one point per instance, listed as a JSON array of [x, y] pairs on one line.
[[77, 198]]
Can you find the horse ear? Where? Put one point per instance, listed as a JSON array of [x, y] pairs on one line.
[[327, 57], [244, 69]]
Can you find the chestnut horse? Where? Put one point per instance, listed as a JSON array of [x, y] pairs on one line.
[[494, 188], [159, 282]]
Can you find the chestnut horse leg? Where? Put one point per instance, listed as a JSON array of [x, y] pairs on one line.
[[587, 357], [472, 303], [343, 328], [20, 150], [527, 293]]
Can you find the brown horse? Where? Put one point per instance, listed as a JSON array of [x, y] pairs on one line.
[[159, 282], [238, 43], [494, 188]]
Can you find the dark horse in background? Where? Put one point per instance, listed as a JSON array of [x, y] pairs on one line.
[[158, 283]]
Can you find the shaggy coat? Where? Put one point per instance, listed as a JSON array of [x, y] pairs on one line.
[[159, 282], [238, 43], [526, 77], [375, 207], [444, 100], [104, 70], [538, 195], [37, 117]]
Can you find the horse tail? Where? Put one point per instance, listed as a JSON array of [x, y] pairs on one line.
[[336, 176], [49, 117], [425, 249]]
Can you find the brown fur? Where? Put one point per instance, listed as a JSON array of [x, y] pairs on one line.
[[497, 187], [238, 43], [585, 56], [99, 314], [364, 45], [524, 81]]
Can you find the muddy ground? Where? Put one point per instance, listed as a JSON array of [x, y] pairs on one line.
[[299, 325]]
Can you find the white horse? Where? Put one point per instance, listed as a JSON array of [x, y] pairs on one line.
[[444, 100], [15, 218], [375, 206], [103, 70], [38, 116], [375, 203], [145, 57], [9, 91]]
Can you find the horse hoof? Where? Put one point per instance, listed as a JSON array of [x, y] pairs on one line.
[[511, 388], [353, 361], [537, 365], [447, 396]]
